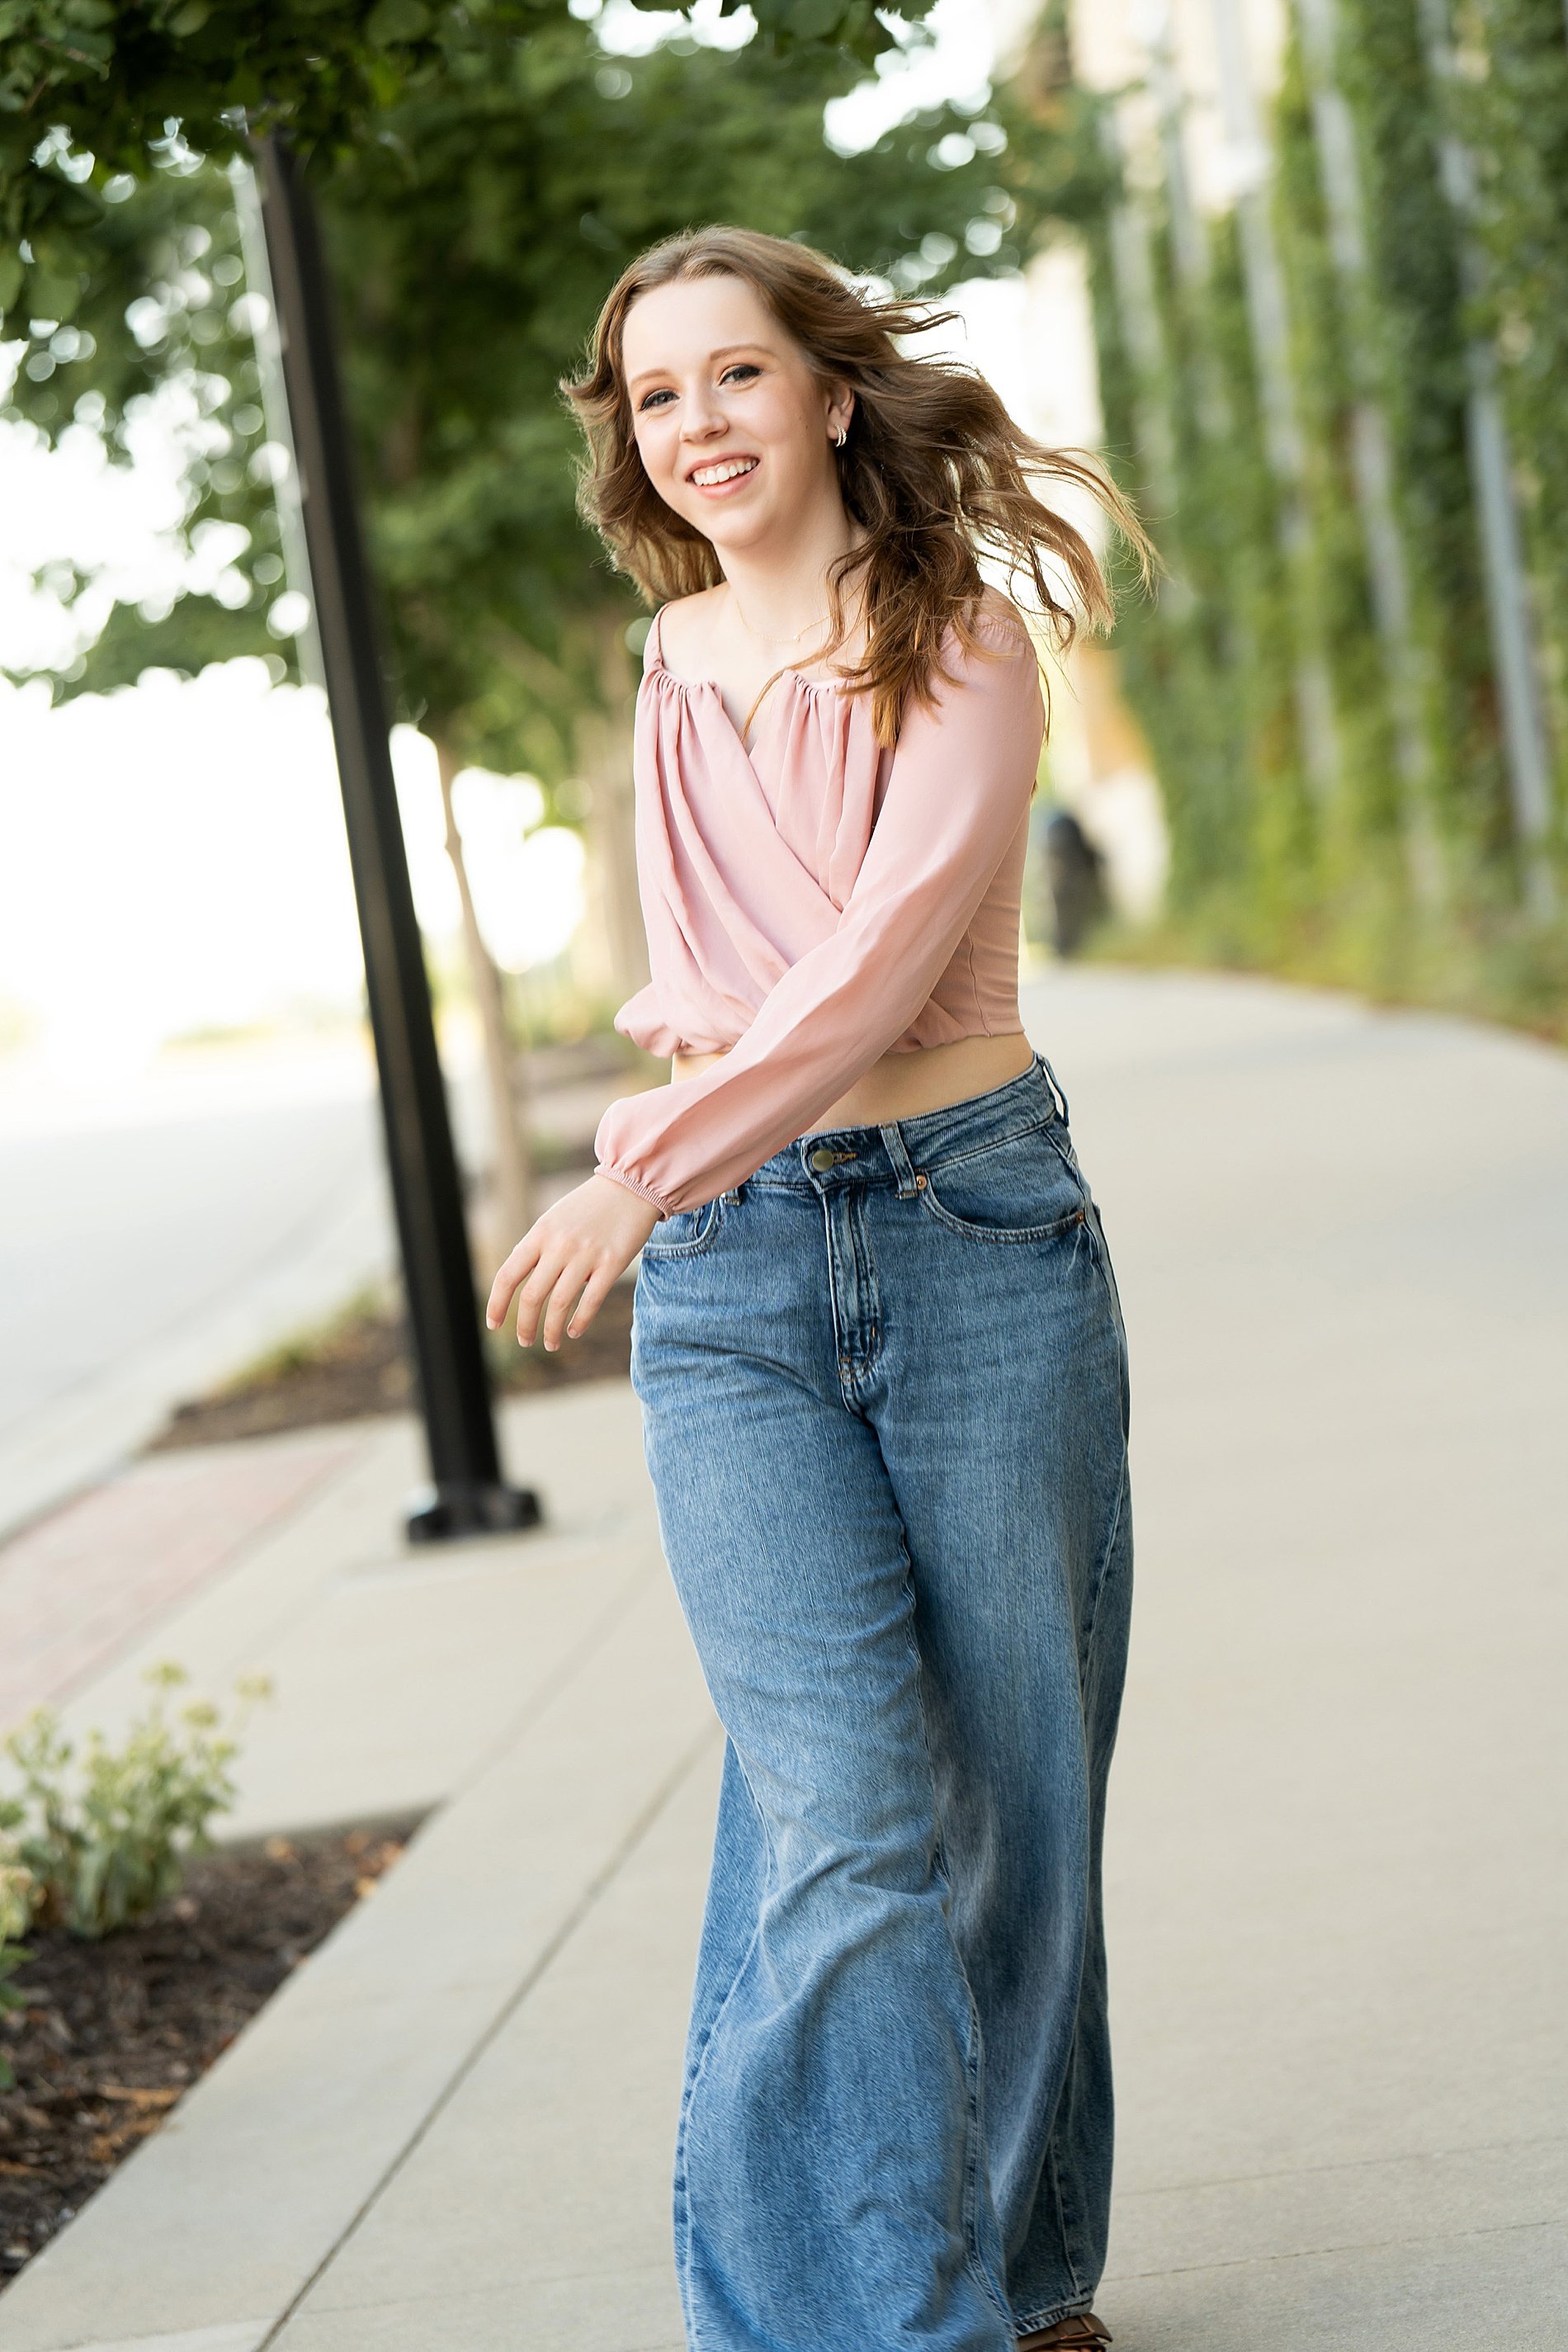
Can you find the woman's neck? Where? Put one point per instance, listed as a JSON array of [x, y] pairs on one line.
[[780, 598]]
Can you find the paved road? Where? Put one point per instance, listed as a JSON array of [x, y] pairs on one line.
[[1336, 1873], [157, 1236]]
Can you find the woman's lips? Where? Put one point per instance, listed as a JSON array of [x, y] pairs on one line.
[[729, 482]]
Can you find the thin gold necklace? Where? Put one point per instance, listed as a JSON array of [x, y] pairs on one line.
[[822, 621]]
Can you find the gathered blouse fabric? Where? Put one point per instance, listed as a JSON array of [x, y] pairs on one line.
[[818, 900]]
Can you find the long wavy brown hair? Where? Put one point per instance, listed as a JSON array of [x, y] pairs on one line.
[[934, 470]]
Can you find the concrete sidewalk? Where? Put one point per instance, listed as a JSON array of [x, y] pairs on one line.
[[1336, 1874]]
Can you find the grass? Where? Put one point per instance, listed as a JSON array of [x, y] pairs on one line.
[[1504, 969]]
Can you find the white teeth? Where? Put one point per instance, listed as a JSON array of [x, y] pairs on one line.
[[706, 475]]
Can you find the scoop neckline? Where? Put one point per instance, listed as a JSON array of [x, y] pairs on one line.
[[659, 667]]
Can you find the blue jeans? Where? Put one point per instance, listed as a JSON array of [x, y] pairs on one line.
[[884, 1397]]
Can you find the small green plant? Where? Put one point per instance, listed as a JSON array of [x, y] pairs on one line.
[[105, 1849], [19, 1895], [17, 1892]]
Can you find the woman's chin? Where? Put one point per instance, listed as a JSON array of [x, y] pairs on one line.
[[741, 528]]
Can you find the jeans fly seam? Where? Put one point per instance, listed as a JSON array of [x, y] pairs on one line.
[[866, 1275]]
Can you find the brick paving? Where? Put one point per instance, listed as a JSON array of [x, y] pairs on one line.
[[80, 1585]]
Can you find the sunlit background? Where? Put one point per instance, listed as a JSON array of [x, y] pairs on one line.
[[1264, 259], [172, 865]]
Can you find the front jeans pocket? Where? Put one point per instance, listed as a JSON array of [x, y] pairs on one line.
[[1022, 1188], [686, 1231]]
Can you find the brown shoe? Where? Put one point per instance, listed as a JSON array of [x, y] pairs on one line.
[[1081, 2333]]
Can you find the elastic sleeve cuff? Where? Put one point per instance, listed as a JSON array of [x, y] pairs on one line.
[[618, 1176]]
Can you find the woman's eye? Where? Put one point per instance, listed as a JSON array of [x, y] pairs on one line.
[[649, 399], [741, 367]]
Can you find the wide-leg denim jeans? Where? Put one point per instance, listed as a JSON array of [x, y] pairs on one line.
[[884, 1395]]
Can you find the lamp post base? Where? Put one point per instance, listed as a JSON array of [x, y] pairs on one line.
[[460, 1507]]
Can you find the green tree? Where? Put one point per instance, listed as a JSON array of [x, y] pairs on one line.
[[473, 223], [116, 76], [472, 237]]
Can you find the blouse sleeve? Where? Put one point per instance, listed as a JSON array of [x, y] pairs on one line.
[[961, 779]]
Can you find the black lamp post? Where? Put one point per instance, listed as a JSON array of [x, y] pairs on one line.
[[467, 1494]]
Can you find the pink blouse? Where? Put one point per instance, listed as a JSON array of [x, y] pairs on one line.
[[816, 901]]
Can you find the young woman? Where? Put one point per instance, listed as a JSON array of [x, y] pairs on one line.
[[876, 1337]]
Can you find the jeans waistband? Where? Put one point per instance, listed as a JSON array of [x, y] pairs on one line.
[[892, 1153]]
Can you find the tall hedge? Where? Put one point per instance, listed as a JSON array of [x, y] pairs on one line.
[[1263, 869]]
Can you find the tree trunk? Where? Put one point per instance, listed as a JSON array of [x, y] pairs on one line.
[[508, 1207], [604, 746], [1526, 752], [1263, 283], [1371, 457]]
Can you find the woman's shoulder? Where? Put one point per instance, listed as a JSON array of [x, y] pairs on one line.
[[986, 678], [675, 638], [998, 624], [988, 645]]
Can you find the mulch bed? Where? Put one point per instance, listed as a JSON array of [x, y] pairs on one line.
[[118, 2029], [361, 1366]]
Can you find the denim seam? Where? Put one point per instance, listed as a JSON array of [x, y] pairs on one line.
[[1103, 1563], [866, 1276], [1066, 2232], [1068, 1157], [992, 1143], [700, 2061], [1100, 1252], [968, 1104], [1058, 1092], [1050, 2313], [1005, 1234], [974, 2150], [903, 1166], [699, 1242], [1002, 1233], [1123, 1484]]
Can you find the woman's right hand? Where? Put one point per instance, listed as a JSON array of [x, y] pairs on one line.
[[573, 1253]]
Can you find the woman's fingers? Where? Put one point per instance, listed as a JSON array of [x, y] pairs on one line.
[[562, 1296], [580, 1277], [600, 1285], [578, 1246], [513, 1271], [530, 1298]]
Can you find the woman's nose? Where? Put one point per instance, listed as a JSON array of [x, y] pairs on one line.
[[703, 416]]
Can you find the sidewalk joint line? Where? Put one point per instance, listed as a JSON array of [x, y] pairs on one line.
[[617, 1606], [574, 1918], [1348, 2164], [1317, 2254]]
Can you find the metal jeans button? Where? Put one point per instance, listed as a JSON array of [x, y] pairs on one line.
[[822, 1157]]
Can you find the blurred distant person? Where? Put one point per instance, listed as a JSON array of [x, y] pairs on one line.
[[877, 1340], [1075, 876]]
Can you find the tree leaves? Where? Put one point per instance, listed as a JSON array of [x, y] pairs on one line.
[[473, 234]]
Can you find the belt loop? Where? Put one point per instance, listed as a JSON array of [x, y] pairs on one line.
[[903, 1166], [1055, 1084]]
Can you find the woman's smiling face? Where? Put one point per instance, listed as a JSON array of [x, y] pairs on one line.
[[735, 430]]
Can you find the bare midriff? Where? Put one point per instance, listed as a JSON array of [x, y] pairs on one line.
[[901, 1086]]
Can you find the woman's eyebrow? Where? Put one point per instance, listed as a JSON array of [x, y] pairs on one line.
[[723, 351]]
